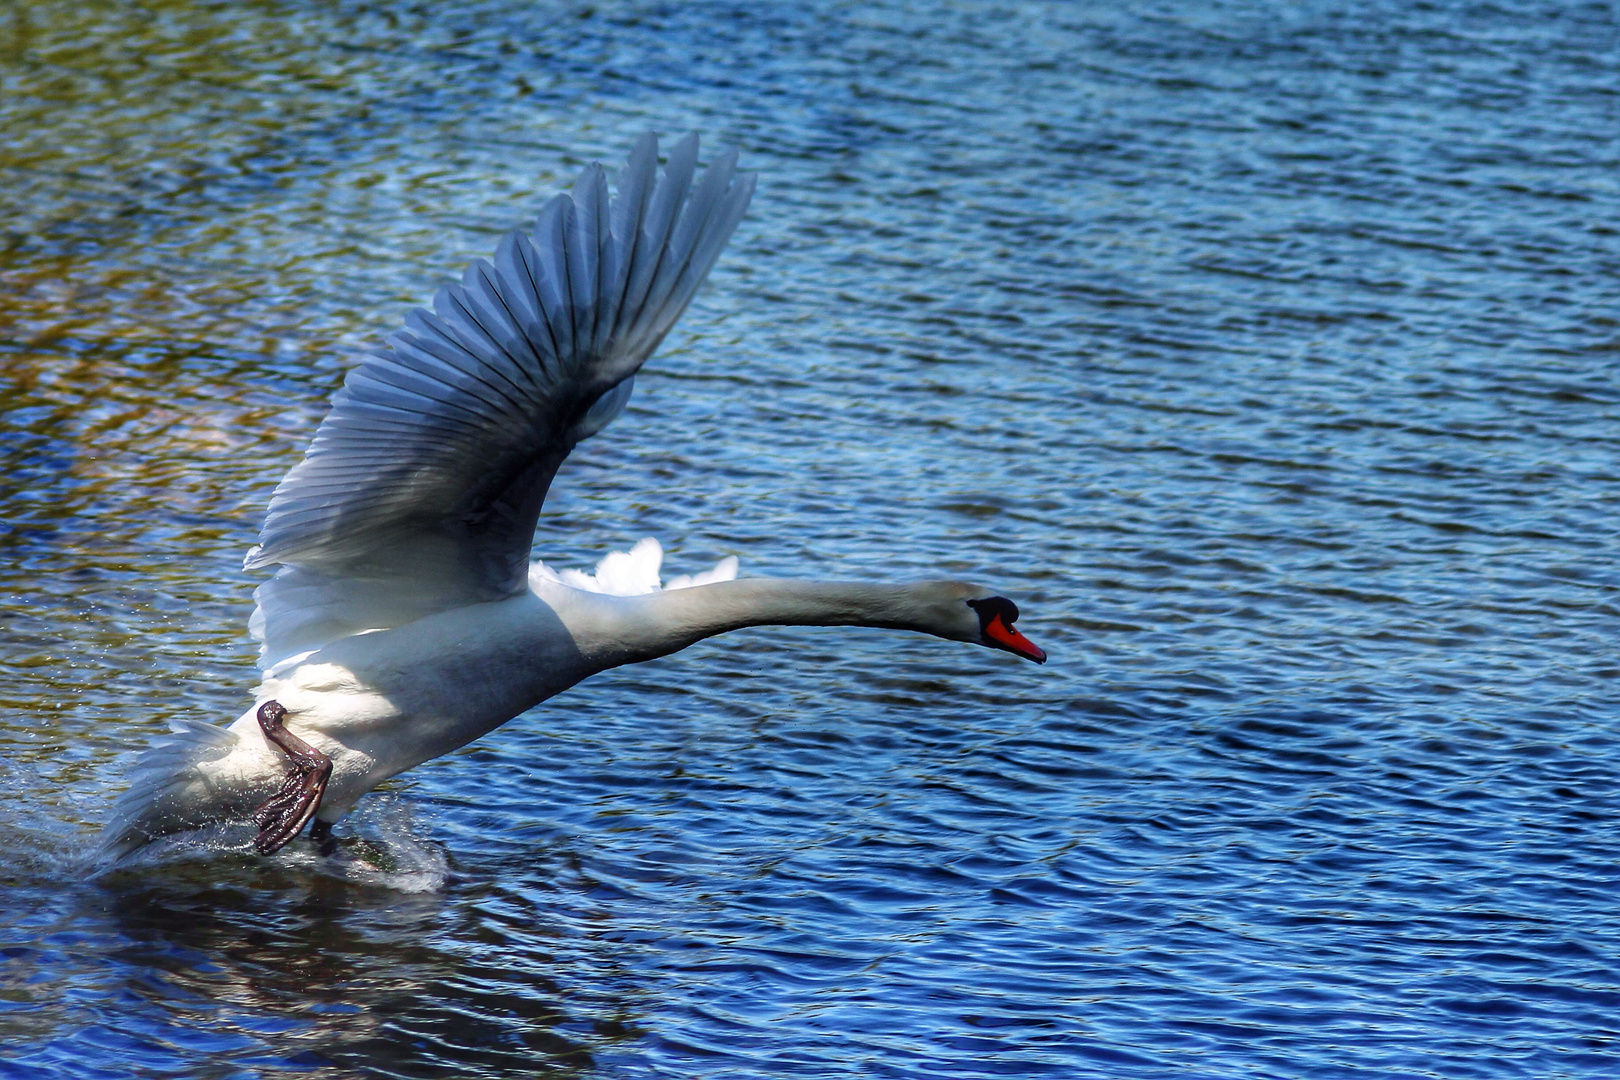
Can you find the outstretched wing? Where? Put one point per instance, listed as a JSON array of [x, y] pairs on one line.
[[423, 485]]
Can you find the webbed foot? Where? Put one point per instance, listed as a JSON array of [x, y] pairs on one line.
[[283, 814]]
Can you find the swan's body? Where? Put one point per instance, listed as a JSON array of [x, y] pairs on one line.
[[405, 620]]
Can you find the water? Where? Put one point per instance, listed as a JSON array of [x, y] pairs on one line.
[[1265, 354]]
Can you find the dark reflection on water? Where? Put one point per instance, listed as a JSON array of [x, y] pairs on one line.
[[1266, 354], [327, 977]]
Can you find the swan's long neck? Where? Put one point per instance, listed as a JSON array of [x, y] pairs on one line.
[[667, 622]]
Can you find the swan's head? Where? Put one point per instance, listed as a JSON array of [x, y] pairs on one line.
[[996, 617], [974, 613]]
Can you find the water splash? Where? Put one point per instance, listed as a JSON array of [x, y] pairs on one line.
[[379, 844]]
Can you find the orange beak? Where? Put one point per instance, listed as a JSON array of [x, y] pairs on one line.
[[1005, 637]]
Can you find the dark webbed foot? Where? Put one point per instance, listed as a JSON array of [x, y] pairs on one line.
[[285, 812]]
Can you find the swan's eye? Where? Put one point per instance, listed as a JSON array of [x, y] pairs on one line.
[[992, 607]]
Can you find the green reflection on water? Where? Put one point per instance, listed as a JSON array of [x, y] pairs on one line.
[[207, 209], [162, 348]]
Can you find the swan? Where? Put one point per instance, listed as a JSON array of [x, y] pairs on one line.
[[404, 619]]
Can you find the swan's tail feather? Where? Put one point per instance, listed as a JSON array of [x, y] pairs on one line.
[[633, 573], [156, 802]]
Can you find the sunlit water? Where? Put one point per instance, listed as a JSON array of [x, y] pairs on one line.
[[1265, 354]]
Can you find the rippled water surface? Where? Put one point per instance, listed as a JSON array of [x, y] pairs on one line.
[[1265, 354]]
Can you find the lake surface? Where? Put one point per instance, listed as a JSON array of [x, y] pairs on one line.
[[1265, 354]]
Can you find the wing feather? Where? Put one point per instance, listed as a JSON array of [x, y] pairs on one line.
[[660, 217], [504, 324], [584, 258], [422, 486]]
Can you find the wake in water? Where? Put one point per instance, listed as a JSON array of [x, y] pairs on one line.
[[381, 848], [43, 838]]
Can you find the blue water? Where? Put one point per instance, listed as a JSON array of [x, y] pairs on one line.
[[1265, 354]]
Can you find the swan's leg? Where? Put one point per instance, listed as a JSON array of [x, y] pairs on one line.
[[285, 812], [321, 833]]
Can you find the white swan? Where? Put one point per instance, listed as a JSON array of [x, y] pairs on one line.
[[405, 619]]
